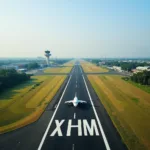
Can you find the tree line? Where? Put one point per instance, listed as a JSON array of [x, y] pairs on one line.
[[30, 66], [128, 66], [10, 78], [141, 77]]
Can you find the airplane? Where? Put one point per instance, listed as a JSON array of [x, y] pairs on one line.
[[75, 101]]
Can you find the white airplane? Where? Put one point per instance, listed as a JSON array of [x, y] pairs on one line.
[[75, 101]]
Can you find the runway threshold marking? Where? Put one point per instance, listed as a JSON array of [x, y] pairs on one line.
[[97, 118], [58, 129], [48, 127], [84, 128]]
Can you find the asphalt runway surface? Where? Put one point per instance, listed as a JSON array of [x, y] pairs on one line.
[[63, 126]]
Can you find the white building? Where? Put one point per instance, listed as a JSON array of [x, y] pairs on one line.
[[117, 68], [140, 68], [9, 67], [23, 70], [101, 63]]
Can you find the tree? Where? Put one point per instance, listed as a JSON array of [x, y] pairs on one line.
[[32, 66], [149, 81], [142, 77], [10, 78]]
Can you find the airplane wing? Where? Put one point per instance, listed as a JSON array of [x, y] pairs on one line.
[[68, 102], [81, 101]]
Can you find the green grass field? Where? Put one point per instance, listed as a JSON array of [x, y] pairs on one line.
[[89, 67], [65, 68], [145, 88], [128, 107], [69, 64], [58, 70], [25, 103]]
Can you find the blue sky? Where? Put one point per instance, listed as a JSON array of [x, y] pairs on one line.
[[75, 28]]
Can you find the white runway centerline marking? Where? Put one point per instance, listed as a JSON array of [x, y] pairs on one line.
[[76, 85], [72, 146], [74, 116], [48, 127], [80, 69], [97, 118]]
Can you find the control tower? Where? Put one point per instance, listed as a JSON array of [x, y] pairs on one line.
[[47, 54]]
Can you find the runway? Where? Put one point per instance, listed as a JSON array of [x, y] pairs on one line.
[[77, 128], [71, 128]]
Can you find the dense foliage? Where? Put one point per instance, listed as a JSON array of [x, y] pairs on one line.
[[126, 65], [32, 65], [141, 77], [19, 61], [10, 78]]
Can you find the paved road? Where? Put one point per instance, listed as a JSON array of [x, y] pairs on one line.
[[80, 128], [66, 127]]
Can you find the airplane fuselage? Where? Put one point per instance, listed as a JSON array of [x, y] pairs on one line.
[[75, 102]]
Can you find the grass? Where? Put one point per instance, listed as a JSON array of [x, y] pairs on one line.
[[128, 107], [58, 70], [136, 100], [89, 67], [25, 103], [70, 63], [145, 88]]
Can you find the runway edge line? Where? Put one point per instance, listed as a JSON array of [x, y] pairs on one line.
[[51, 120], [97, 118]]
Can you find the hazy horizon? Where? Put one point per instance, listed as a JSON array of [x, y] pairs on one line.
[[98, 28]]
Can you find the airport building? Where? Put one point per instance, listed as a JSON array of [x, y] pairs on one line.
[[142, 68], [116, 68], [102, 63], [9, 67], [47, 55], [23, 70]]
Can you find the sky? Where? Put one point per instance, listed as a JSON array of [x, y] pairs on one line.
[[75, 28]]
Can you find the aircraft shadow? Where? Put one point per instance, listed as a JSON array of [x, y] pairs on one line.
[[83, 106]]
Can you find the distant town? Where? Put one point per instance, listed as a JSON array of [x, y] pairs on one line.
[[31, 90], [128, 65], [29, 65]]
